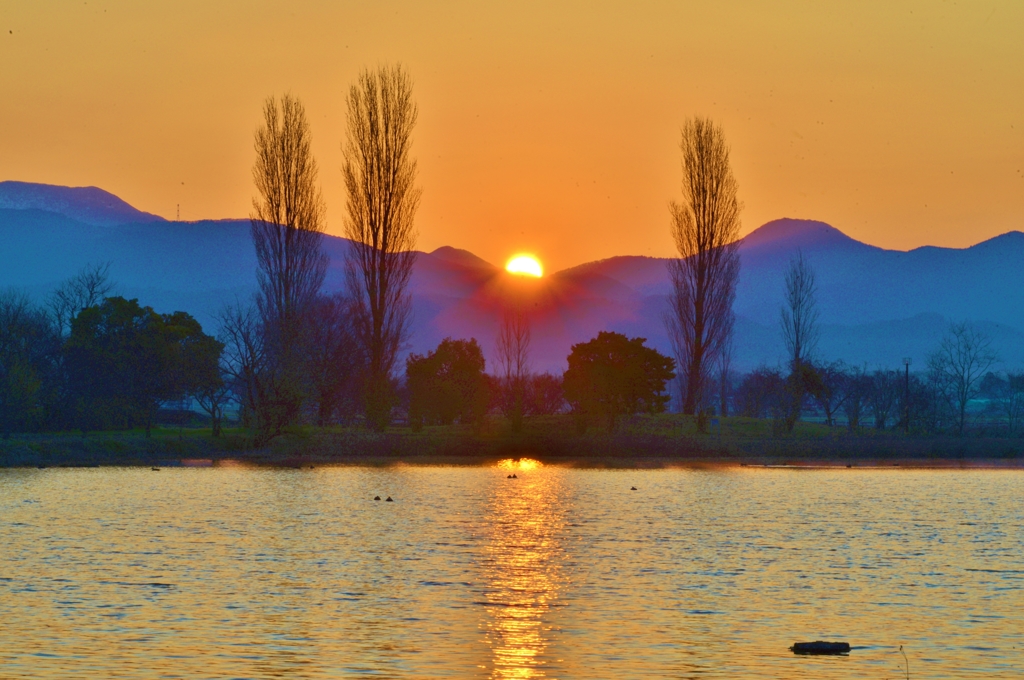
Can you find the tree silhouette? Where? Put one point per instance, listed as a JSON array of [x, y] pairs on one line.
[[447, 384], [123, 360], [799, 321], [513, 348], [613, 375], [705, 226], [956, 368], [287, 224], [380, 176]]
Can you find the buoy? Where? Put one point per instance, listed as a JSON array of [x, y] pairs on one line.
[[820, 647], [376, 498], [388, 500], [632, 488]]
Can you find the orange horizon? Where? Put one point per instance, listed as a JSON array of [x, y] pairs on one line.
[[548, 130]]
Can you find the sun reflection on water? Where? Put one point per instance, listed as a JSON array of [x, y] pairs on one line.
[[524, 464], [521, 569]]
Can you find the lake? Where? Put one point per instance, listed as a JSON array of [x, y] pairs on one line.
[[237, 572]]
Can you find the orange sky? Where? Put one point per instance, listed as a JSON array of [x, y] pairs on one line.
[[544, 127]]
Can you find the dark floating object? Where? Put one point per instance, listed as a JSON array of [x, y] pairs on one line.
[[514, 476], [632, 488], [376, 498], [155, 469], [820, 647], [388, 500], [509, 477]]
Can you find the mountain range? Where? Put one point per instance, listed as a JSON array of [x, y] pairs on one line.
[[876, 306]]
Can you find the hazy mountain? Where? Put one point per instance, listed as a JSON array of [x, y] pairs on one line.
[[876, 305], [88, 205]]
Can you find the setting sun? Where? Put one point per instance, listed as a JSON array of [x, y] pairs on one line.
[[526, 265]]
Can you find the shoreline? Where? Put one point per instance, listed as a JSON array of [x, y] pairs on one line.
[[661, 441]]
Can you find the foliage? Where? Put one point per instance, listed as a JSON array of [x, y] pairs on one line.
[[759, 393], [448, 384], [545, 396], [613, 375], [28, 345], [124, 359]]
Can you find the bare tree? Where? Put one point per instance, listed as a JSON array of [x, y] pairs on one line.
[[513, 363], [799, 321], [1012, 400], [799, 316], [333, 358], [247, 363], [705, 226], [956, 368], [724, 365], [835, 384], [884, 396], [83, 290], [380, 176], [858, 391], [287, 219], [287, 224]]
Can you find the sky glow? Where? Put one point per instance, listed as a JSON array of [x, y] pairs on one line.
[[550, 128]]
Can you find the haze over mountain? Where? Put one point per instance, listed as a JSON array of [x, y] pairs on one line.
[[876, 305]]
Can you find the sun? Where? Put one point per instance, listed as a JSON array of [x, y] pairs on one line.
[[524, 265]]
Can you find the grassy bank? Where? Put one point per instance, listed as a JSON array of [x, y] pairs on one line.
[[644, 441]]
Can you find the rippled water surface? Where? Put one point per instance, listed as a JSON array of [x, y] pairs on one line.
[[257, 573]]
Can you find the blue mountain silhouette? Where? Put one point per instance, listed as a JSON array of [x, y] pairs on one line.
[[876, 305]]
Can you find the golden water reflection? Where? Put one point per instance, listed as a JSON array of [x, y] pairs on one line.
[[232, 572], [521, 568]]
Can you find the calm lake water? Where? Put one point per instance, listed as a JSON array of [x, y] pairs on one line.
[[233, 572]]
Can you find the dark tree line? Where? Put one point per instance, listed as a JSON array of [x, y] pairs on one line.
[[295, 354], [608, 377], [88, 362], [936, 400]]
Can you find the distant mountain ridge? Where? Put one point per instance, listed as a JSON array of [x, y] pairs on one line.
[[876, 305], [88, 205]]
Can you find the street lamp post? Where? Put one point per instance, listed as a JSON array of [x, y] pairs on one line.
[[906, 396]]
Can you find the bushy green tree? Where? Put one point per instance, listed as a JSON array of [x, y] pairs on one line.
[[447, 384], [28, 343], [613, 375], [123, 360]]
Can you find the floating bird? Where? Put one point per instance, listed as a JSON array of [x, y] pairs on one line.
[[155, 469], [514, 476], [388, 500], [509, 477], [376, 498], [632, 488]]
